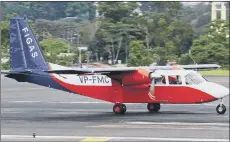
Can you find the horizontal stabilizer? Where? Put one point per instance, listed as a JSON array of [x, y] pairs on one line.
[[15, 71], [5, 71]]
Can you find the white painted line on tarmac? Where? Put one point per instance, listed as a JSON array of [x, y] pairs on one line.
[[25, 101], [178, 123], [61, 138], [82, 102], [174, 127], [59, 102], [19, 89]]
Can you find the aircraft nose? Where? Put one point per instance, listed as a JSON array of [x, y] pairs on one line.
[[217, 90]]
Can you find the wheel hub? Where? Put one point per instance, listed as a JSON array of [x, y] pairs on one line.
[[220, 108], [117, 109], [151, 107]]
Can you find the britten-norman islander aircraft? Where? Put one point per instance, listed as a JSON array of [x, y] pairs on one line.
[[153, 85]]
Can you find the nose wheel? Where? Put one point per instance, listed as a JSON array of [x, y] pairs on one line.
[[221, 108], [119, 108], [153, 107]]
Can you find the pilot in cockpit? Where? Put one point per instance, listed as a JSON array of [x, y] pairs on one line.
[[160, 80], [175, 79]]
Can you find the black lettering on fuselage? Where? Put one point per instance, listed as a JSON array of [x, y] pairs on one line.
[[81, 78], [94, 79], [107, 81], [85, 78], [100, 80]]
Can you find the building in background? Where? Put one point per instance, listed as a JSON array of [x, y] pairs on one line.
[[219, 11]]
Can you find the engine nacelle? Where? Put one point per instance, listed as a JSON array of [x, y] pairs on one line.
[[142, 76], [135, 78], [153, 75]]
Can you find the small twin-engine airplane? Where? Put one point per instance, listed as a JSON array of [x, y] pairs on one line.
[[153, 85]]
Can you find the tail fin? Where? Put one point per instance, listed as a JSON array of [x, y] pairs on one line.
[[25, 52]]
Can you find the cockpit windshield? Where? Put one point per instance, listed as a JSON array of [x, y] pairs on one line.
[[194, 78]]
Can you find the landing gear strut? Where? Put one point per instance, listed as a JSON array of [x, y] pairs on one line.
[[221, 108], [153, 107], [119, 108]]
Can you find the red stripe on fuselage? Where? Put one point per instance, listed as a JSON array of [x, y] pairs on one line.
[[139, 93], [166, 94], [107, 93], [182, 94]]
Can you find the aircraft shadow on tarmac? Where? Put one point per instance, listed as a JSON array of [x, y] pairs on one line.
[[109, 116]]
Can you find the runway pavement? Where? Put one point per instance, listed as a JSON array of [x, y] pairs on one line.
[[59, 116]]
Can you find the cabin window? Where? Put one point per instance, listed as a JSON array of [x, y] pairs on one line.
[[194, 78], [160, 80], [175, 79]]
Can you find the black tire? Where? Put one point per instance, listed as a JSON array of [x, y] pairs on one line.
[[123, 108], [221, 109], [153, 107], [119, 108]]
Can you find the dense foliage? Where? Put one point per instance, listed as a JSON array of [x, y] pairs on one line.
[[126, 31], [51, 10]]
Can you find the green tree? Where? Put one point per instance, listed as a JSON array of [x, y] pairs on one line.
[[218, 31], [51, 10], [81, 10], [165, 31], [115, 11], [112, 39], [185, 59], [206, 50], [172, 8], [53, 48], [139, 55], [5, 41]]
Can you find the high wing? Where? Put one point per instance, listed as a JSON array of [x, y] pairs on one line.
[[132, 69], [107, 70], [115, 70], [93, 70]]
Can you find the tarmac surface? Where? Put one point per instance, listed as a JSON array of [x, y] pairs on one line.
[[59, 116]]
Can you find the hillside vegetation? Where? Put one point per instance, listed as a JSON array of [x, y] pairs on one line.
[[133, 33]]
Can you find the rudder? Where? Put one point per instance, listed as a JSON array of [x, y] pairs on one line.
[[25, 52]]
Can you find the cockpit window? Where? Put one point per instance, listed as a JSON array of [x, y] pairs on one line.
[[175, 79], [160, 80], [194, 78]]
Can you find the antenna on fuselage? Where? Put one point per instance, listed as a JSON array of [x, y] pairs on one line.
[[190, 55]]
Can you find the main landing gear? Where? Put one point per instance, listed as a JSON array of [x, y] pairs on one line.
[[221, 108], [153, 107], [119, 108]]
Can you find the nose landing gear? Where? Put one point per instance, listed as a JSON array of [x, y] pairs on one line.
[[221, 108]]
